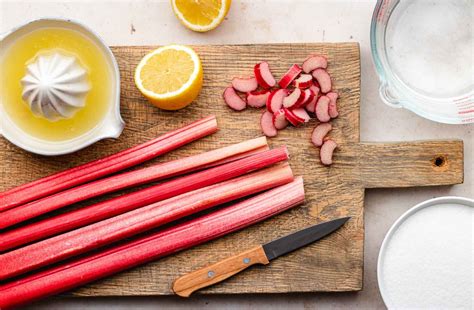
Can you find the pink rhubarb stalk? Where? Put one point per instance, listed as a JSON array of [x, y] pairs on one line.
[[124, 180], [137, 221], [107, 165], [115, 206], [145, 249]]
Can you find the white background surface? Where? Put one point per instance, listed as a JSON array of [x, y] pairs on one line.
[[153, 23]]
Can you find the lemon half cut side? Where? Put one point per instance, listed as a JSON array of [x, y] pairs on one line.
[[170, 77], [201, 15]]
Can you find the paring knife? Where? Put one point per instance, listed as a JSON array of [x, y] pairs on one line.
[[261, 254]]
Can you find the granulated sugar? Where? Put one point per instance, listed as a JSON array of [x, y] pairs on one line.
[[428, 262]]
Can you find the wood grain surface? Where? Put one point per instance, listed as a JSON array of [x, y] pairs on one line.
[[333, 264]]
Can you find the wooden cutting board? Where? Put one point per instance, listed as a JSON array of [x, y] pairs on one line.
[[333, 264]]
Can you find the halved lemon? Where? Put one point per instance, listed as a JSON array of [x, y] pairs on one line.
[[170, 77], [201, 15]]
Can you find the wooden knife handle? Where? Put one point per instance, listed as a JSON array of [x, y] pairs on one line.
[[218, 272]]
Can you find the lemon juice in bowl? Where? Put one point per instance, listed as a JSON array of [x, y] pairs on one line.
[[58, 88]]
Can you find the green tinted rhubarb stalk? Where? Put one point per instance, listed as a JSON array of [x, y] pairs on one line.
[[128, 224], [125, 180], [107, 165], [145, 249]]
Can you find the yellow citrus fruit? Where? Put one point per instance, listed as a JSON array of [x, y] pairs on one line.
[[201, 15], [170, 77]]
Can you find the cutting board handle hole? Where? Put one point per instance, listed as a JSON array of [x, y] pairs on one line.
[[439, 162]]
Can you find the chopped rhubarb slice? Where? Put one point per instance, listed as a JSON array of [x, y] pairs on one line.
[[266, 123], [322, 109], [304, 81], [275, 99], [244, 85], [333, 104], [302, 114], [323, 79], [326, 152], [233, 100], [294, 99], [257, 99], [293, 118], [315, 89], [308, 96], [311, 103], [319, 133], [279, 119], [289, 76], [263, 75], [314, 62]]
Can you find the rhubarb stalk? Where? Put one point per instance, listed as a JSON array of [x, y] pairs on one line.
[[125, 180], [152, 247], [126, 225], [107, 165], [125, 203]]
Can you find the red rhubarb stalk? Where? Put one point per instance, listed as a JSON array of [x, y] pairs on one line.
[[124, 180], [145, 249], [109, 208], [137, 221], [107, 165]]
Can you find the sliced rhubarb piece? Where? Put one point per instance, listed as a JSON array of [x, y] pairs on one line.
[[311, 104], [244, 85], [99, 234], [308, 97], [148, 248], [314, 62], [294, 99], [323, 79], [302, 114], [275, 99], [292, 117], [326, 152], [315, 89], [257, 99], [304, 81], [233, 100], [107, 165], [289, 76], [333, 104], [263, 75], [266, 123], [279, 120], [322, 109], [319, 133]]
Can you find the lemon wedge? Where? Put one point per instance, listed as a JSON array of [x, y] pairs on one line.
[[170, 77], [201, 15]]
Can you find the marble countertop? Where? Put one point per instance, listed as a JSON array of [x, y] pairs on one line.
[[152, 22]]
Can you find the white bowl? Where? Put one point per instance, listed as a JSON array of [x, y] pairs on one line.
[[111, 126], [409, 276]]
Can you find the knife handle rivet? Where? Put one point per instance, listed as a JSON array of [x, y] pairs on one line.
[[210, 274], [246, 260]]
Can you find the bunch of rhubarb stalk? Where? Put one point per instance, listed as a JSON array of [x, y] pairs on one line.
[[301, 92], [187, 186]]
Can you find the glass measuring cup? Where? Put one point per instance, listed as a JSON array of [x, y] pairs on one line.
[[423, 52]]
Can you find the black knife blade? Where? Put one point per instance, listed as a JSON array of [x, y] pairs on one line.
[[296, 240]]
